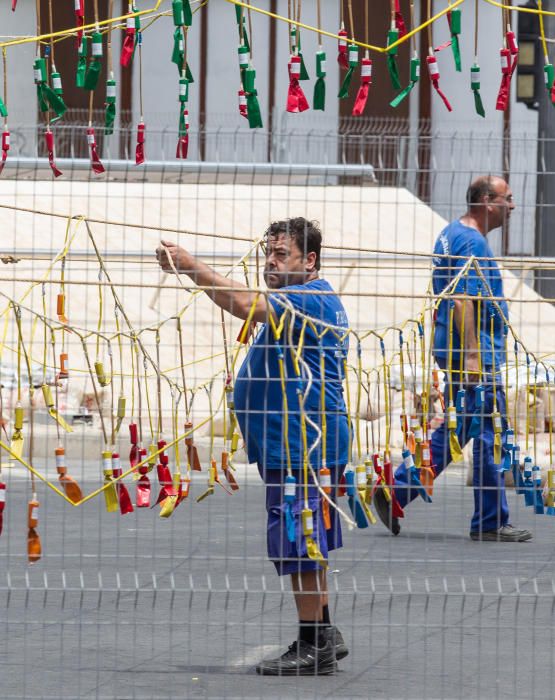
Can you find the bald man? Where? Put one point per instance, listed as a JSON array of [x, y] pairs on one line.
[[490, 203]]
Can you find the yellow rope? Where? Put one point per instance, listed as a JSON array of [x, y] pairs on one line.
[[74, 30], [332, 35]]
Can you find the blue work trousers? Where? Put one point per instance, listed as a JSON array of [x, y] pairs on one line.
[[490, 501]]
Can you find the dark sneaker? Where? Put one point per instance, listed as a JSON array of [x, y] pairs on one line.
[[334, 636], [383, 509], [301, 659], [507, 533]]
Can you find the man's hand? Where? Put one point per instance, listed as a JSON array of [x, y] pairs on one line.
[[227, 293], [180, 258], [472, 367]]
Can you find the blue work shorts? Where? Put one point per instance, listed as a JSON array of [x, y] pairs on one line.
[[291, 557]]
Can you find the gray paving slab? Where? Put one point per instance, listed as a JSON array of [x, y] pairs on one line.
[[142, 607]]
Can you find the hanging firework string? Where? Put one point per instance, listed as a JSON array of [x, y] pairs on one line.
[[392, 37], [414, 66], [319, 101], [475, 69], [296, 99], [454, 20], [110, 100], [248, 75], [182, 19], [141, 127], [79, 10], [55, 99], [365, 70], [90, 82], [509, 59], [342, 41], [295, 34], [4, 115], [129, 39], [34, 549], [548, 70], [431, 60], [352, 57]]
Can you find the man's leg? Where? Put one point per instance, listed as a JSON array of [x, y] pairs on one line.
[[491, 511], [308, 590], [313, 652]]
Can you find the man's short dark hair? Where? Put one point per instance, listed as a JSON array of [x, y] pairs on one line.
[[481, 187], [307, 234]]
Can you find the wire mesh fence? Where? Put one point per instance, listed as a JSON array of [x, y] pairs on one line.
[[125, 603]]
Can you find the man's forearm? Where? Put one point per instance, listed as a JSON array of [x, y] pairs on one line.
[[464, 311], [228, 294]]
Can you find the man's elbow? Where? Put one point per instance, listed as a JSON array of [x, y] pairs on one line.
[[242, 308]]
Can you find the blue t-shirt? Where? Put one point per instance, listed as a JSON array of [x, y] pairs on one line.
[[258, 394], [458, 239]]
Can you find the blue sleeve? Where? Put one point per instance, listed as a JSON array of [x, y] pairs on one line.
[[472, 245], [304, 303]]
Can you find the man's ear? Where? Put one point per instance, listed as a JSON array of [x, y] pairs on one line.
[[310, 264]]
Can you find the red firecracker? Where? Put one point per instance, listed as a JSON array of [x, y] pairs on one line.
[[183, 140], [396, 509], [5, 147], [296, 100], [125, 505], [134, 452], [434, 77], [49, 139], [399, 20], [2, 503], [128, 44], [365, 82], [142, 495], [164, 475], [79, 6], [342, 57], [96, 164], [242, 104], [509, 60], [140, 149]]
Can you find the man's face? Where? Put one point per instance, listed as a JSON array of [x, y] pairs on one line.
[[285, 262], [500, 204]]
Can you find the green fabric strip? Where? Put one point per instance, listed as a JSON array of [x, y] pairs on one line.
[[393, 71], [109, 118], [456, 52], [478, 103], [319, 101], [253, 111], [396, 101], [344, 90]]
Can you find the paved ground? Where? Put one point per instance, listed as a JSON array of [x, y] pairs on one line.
[[140, 607]]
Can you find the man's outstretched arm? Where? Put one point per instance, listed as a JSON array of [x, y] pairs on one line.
[[232, 296]]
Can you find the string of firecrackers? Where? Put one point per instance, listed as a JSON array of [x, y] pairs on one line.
[[114, 489], [358, 484], [113, 474], [50, 91], [112, 471], [348, 58], [49, 87]]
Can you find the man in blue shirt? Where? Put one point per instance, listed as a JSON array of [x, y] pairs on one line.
[[490, 203], [292, 266]]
